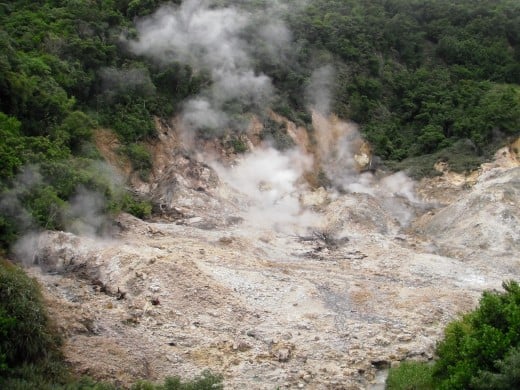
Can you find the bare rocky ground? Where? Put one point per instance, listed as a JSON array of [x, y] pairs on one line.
[[327, 308]]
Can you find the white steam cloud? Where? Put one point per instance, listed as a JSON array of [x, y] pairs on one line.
[[221, 41], [275, 38], [84, 214], [194, 34], [200, 112], [225, 41], [10, 204], [319, 90], [207, 39], [273, 183], [26, 249]]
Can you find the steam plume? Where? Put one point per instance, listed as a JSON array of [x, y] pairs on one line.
[[272, 180], [319, 90], [225, 41], [10, 204], [115, 81], [342, 158], [84, 214], [222, 41]]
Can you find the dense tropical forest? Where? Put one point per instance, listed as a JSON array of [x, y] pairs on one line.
[[422, 78], [420, 75]]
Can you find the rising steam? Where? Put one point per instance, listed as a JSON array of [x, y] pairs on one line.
[[320, 88], [84, 214], [10, 205], [215, 40], [225, 41], [273, 183], [344, 157]]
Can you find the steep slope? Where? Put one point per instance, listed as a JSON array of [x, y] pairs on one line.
[[483, 223]]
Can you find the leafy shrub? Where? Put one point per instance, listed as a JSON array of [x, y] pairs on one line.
[[10, 147], [277, 134], [238, 145], [479, 351], [480, 339], [45, 206], [507, 375], [131, 121], [140, 158], [23, 319], [6, 324], [75, 130], [8, 232], [138, 208]]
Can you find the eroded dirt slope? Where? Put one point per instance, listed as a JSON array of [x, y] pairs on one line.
[[323, 308]]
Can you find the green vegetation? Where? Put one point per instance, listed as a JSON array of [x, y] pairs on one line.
[[140, 158], [29, 346], [420, 75], [238, 145], [63, 72], [461, 156], [23, 322], [479, 351], [276, 134], [139, 208], [30, 355], [206, 381]]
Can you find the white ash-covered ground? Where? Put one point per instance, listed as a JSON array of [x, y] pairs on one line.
[[350, 281]]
